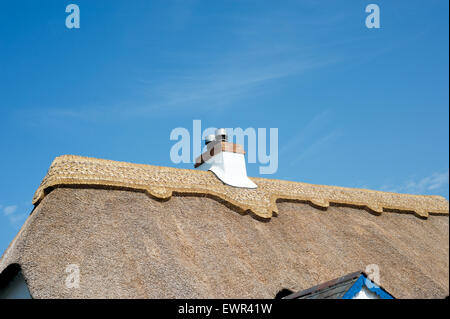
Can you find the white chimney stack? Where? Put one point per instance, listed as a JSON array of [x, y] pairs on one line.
[[226, 160]]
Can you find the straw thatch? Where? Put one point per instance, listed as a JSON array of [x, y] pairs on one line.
[[161, 182], [128, 244]]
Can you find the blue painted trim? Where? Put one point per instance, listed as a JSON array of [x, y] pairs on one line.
[[357, 286], [360, 283]]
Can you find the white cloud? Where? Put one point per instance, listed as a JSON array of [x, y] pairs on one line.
[[11, 214], [316, 145], [219, 85], [212, 77], [17, 218], [9, 210], [435, 182]]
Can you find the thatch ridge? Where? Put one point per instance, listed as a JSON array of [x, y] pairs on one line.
[[162, 182]]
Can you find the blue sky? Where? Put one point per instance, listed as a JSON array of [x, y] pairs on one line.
[[355, 107]]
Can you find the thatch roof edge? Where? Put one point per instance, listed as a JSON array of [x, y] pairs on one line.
[[162, 182]]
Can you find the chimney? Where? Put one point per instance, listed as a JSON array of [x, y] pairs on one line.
[[226, 160]]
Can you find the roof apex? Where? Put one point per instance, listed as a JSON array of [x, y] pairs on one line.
[[162, 182]]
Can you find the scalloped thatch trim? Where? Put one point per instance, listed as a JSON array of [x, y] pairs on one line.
[[161, 182]]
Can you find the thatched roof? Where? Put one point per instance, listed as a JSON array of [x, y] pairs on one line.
[[139, 231]]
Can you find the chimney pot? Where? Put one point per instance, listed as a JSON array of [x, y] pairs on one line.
[[221, 135], [209, 139], [226, 160]]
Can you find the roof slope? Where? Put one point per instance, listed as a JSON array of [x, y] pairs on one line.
[[202, 244]]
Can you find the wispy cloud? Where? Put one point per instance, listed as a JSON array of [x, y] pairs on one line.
[[312, 137], [201, 87], [307, 132], [317, 145], [258, 51], [11, 213], [260, 48], [8, 210], [435, 182], [17, 219], [227, 83], [430, 183], [204, 87]]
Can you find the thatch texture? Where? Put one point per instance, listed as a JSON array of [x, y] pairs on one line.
[[130, 245], [161, 182]]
